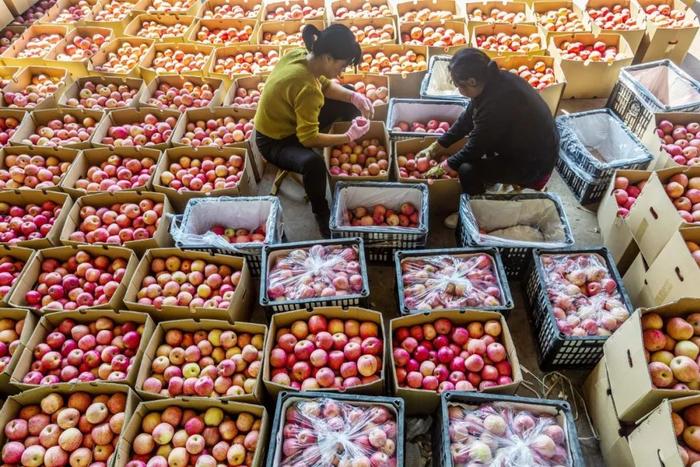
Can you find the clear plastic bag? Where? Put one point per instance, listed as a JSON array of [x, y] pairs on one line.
[[439, 81], [319, 271], [503, 435], [665, 83], [447, 281], [585, 298], [323, 432]]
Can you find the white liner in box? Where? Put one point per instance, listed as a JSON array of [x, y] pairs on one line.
[[665, 85], [421, 110], [437, 84]]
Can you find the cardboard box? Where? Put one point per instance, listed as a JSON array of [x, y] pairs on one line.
[[674, 274], [540, 8], [48, 323], [238, 310], [413, 6], [228, 53], [245, 82], [468, 8], [117, 25], [457, 26], [222, 24], [38, 118], [653, 218], [420, 401], [25, 197], [98, 61], [524, 29], [355, 5], [552, 93], [631, 384], [378, 24], [150, 72], [204, 114], [632, 36], [9, 9], [77, 68], [179, 199], [652, 142], [403, 84], [63, 155], [253, 8], [124, 116], [196, 325], [616, 233], [134, 28], [161, 238], [27, 328], [589, 79], [611, 432], [199, 405], [98, 156], [8, 72], [9, 56], [73, 91], [284, 320], [19, 254], [444, 193], [288, 27], [376, 130], [672, 43], [60, 8], [636, 283], [654, 442], [187, 7], [269, 8], [148, 89], [63, 253], [380, 111], [22, 79]]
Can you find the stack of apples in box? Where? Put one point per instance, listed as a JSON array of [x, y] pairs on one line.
[[68, 129], [230, 11], [7, 38], [97, 96], [117, 173], [496, 15], [174, 60], [10, 268], [32, 171], [434, 37], [155, 30], [123, 60], [34, 12], [10, 329], [423, 167], [29, 222], [203, 175], [539, 75], [79, 11], [506, 43], [380, 62], [188, 96], [626, 194], [293, 12], [248, 98], [615, 18], [561, 20], [41, 87], [377, 94], [684, 192], [664, 15], [425, 14], [365, 158], [686, 427], [366, 10], [671, 350], [82, 47], [149, 132], [39, 45], [372, 35], [8, 126], [217, 131], [680, 142], [246, 63], [224, 36], [599, 51], [118, 223]]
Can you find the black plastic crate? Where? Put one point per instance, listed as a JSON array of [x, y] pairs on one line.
[[361, 299], [441, 437], [585, 189], [382, 242], [636, 104], [555, 349], [395, 403], [515, 257], [506, 297]]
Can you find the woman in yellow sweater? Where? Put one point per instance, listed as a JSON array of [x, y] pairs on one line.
[[300, 102]]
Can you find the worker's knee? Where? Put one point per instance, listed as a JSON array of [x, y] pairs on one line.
[[314, 165], [466, 171]]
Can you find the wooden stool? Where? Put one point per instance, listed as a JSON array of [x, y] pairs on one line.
[[279, 178]]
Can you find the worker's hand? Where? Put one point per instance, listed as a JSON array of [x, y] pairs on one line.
[[430, 152], [363, 104], [358, 129]]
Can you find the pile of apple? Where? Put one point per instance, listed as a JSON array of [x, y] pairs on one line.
[[492, 433], [366, 10], [366, 158], [82, 281], [450, 282], [434, 37], [496, 15], [236, 235], [685, 427], [539, 75], [584, 297], [294, 12], [118, 223], [60, 132], [30, 222], [174, 60], [248, 98], [171, 7], [217, 132], [442, 356], [117, 173], [246, 63], [282, 38], [114, 11], [10, 329], [8, 126], [224, 36], [371, 35], [230, 11], [665, 16], [579, 52], [671, 350], [432, 127], [10, 268], [189, 96], [379, 215], [75, 429], [34, 12], [681, 142], [377, 94], [562, 19], [320, 271], [215, 363], [97, 96], [175, 281], [694, 249], [31, 171], [626, 194], [42, 86], [206, 438], [685, 195], [7, 38], [359, 434], [82, 47], [40, 45], [81, 352], [203, 175], [149, 132], [503, 42], [155, 30], [617, 18], [410, 167], [79, 11], [321, 354], [392, 63], [425, 14], [124, 59]]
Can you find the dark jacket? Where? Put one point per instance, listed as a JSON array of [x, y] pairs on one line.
[[510, 119]]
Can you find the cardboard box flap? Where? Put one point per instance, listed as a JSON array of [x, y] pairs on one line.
[[675, 273]]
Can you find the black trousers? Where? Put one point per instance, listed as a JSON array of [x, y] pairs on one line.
[[289, 154], [477, 175]]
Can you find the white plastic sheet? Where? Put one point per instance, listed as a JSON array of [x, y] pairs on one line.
[[439, 81], [351, 197], [666, 85]]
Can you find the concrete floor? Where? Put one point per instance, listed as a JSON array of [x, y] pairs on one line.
[[300, 225]]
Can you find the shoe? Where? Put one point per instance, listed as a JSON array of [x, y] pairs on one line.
[[451, 221]]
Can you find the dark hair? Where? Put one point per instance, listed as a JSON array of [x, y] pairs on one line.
[[336, 40], [471, 63]]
